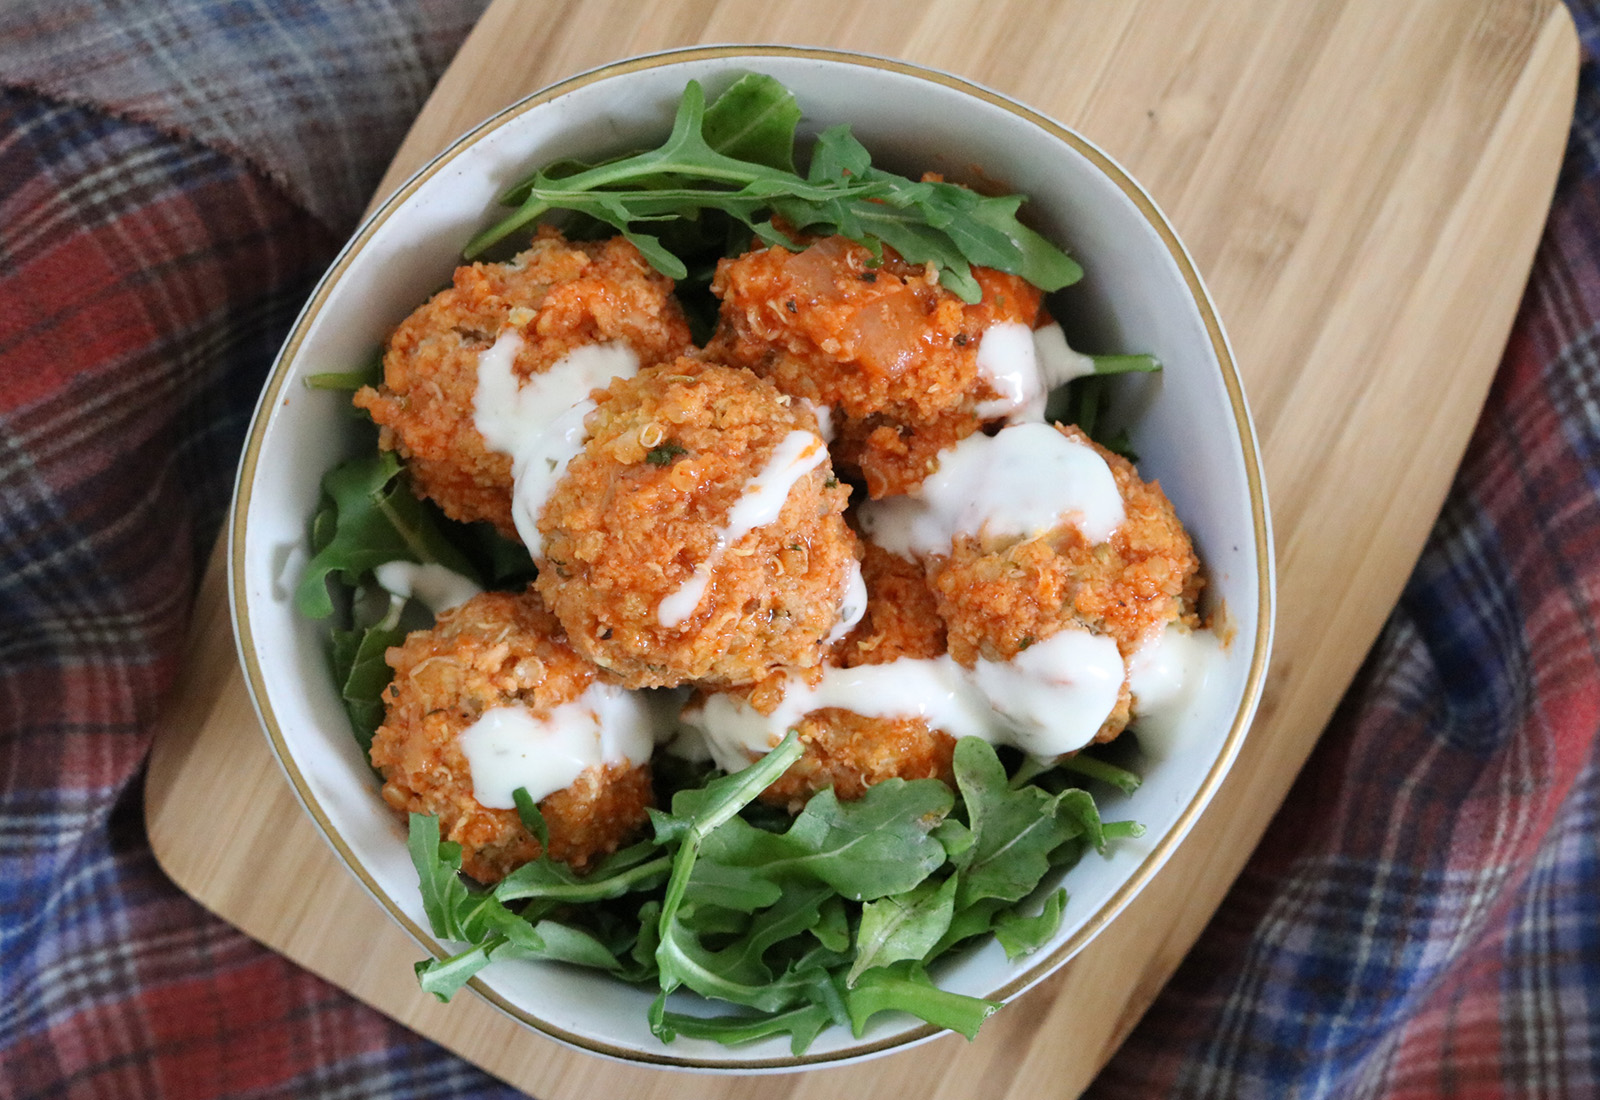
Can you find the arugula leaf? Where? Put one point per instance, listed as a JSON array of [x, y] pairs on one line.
[[643, 954], [794, 913], [736, 158], [445, 977], [832, 929], [377, 519], [564, 943], [369, 374], [733, 887], [500, 561], [1013, 832], [976, 919], [629, 870], [1021, 935], [1092, 767], [837, 156], [457, 913], [754, 120], [905, 988], [695, 815], [801, 1024], [438, 865], [1076, 809], [532, 819], [903, 926], [490, 928], [362, 673], [1043, 264], [877, 845], [698, 811]]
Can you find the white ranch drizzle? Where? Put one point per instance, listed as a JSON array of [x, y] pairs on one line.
[[1058, 363], [1022, 366], [759, 504], [539, 422], [510, 747], [1023, 481], [1051, 699], [436, 586], [1169, 675], [852, 608]]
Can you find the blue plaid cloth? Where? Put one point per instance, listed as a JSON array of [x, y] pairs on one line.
[[1420, 921]]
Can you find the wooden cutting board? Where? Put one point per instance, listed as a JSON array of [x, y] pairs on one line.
[[1362, 183]]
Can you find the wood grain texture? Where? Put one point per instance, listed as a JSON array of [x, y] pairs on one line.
[[1362, 184]]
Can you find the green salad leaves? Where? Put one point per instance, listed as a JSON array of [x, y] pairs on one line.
[[828, 919], [737, 157]]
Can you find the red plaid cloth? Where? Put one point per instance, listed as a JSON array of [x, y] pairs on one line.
[[1422, 919]]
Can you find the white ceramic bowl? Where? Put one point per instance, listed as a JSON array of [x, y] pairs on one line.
[[1141, 293]]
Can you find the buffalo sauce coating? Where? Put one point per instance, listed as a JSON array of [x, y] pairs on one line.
[[882, 343]]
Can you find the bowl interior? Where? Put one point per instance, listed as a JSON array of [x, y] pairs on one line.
[[1189, 425]]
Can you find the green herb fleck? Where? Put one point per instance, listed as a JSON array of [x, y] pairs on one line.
[[664, 454]]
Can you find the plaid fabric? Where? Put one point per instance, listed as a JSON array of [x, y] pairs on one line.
[[311, 94], [148, 272], [1421, 920]]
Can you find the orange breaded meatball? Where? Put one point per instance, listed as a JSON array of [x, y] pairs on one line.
[[851, 752], [893, 352], [642, 562], [902, 616], [558, 296], [497, 649], [998, 598]]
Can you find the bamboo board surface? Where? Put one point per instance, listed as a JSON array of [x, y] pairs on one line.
[[1362, 184]]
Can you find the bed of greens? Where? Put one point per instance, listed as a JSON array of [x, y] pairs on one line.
[[785, 926]]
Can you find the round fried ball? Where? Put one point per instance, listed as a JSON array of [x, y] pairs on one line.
[[886, 346], [640, 517], [997, 597], [559, 296], [497, 649]]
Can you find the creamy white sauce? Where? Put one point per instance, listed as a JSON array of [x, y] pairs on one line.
[[511, 747], [1055, 695], [1058, 364], [852, 608], [439, 588], [759, 504], [824, 415], [1169, 676], [1007, 361], [1024, 481], [1022, 366], [539, 422], [1052, 699]]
